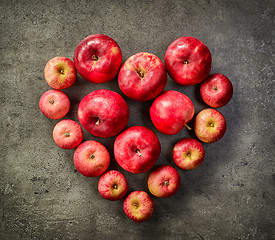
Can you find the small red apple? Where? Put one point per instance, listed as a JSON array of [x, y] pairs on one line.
[[142, 77], [171, 111], [137, 149], [188, 153], [209, 125], [113, 185], [138, 206], [188, 60], [91, 158], [164, 181], [67, 134], [217, 90], [103, 113], [54, 104], [97, 58], [60, 72]]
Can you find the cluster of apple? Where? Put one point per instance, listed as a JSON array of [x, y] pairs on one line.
[[104, 113]]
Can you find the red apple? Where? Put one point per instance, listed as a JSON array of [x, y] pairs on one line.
[[217, 90], [142, 77], [97, 58], [137, 149], [67, 134], [210, 125], [103, 113], [164, 181], [54, 104], [188, 153], [91, 158], [188, 60], [113, 185], [171, 111], [138, 206], [60, 73]]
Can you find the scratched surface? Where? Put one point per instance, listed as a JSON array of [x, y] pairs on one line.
[[230, 196]]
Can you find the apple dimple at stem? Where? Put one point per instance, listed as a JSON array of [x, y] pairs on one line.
[[98, 121], [186, 62], [115, 186], [138, 152], [140, 73], [67, 134], [95, 58]]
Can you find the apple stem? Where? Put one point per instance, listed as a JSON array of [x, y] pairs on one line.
[[92, 156], [138, 152], [94, 57], [215, 88], [51, 101], [62, 71], [140, 73], [67, 134], [166, 183], [189, 128], [98, 121]]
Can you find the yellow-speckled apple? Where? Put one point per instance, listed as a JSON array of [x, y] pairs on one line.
[[210, 125]]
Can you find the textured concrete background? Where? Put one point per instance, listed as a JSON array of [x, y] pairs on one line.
[[230, 196]]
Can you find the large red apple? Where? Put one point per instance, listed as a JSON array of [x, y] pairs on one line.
[[137, 149], [171, 111], [103, 113], [91, 158], [54, 104], [209, 125], [188, 153], [138, 206], [217, 90], [164, 181], [142, 77], [112, 185], [97, 58], [188, 60], [60, 72], [67, 134]]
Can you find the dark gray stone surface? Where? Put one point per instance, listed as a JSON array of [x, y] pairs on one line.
[[230, 196]]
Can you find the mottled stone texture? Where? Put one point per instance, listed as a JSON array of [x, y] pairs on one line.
[[230, 196]]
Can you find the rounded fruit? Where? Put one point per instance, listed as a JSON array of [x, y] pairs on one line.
[[97, 58], [171, 111], [138, 206], [112, 185], [54, 104], [91, 158], [164, 181], [142, 77], [188, 154], [188, 60], [210, 125], [103, 113], [217, 90], [137, 149], [60, 73], [67, 134]]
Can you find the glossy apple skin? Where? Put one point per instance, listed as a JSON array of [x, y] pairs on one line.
[[209, 125], [171, 111], [67, 134], [188, 61], [54, 104], [97, 58], [164, 181], [188, 153], [138, 206], [113, 185], [60, 73], [137, 149], [103, 113], [91, 158], [217, 90], [142, 77]]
